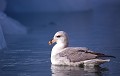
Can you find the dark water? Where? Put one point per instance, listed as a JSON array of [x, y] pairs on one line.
[[29, 55]]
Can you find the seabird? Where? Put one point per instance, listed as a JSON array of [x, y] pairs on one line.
[[61, 54]]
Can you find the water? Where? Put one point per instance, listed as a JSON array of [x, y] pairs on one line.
[[29, 55]]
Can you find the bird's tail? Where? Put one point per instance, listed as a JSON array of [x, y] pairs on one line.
[[103, 55]]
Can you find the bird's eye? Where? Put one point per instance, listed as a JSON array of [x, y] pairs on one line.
[[58, 36]]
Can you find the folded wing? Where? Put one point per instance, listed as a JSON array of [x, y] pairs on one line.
[[80, 54]]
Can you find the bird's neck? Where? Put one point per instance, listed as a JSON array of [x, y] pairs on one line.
[[59, 47]]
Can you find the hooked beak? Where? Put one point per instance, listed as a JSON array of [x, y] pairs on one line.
[[51, 41]]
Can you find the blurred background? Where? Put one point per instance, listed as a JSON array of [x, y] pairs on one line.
[[83, 16], [26, 26]]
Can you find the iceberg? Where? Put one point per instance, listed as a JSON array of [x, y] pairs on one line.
[[8, 25], [2, 39], [3, 4], [11, 26]]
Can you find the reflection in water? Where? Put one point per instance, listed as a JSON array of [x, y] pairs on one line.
[[76, 71]]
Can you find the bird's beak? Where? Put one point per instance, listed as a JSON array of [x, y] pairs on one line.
[[51, 41]]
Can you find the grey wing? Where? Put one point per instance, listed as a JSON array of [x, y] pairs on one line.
[[77, 54]]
